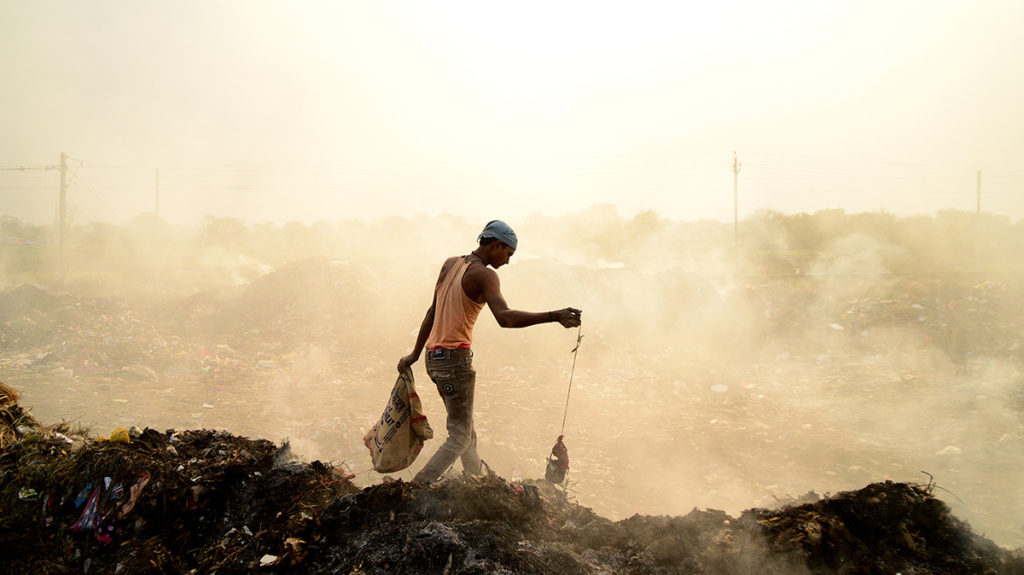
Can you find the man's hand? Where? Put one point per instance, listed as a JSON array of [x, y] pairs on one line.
[[406, 362], [568, 317]]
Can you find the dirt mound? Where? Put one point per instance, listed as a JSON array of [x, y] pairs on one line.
[[25, 297], [69, 336], [65, 335], [231, 333], [293, 304], [144, 501]]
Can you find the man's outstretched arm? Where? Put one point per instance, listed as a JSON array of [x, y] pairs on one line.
[[568, 317]]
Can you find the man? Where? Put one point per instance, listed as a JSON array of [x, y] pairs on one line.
[[465, 284]]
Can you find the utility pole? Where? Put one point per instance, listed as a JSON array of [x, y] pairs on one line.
[[977, 228], [156, 209], [979, 194], [63, 210], [735, 199]]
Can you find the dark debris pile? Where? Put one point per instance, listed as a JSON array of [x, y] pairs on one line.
[[202, 501], [883, 528], [152, 502]]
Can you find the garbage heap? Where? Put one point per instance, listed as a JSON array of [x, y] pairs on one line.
[[12, 416], [203, 501], [144, 501]]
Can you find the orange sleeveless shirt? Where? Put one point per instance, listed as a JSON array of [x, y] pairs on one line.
[[454, 313]]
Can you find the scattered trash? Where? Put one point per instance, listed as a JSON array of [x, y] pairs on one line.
[[87, 521], [63, 437], [133, 496], [146, 509], [28, 494]]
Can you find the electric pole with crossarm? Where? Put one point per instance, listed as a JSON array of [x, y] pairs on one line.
[[62, 212], [735, 199]]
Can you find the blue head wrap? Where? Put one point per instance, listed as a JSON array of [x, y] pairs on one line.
[[500, 231]]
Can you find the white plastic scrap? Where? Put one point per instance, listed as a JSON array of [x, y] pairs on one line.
[[62, 437]]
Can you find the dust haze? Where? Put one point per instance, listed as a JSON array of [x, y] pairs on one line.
[[809, 352]]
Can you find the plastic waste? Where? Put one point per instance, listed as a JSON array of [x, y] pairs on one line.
[[83, 495], [133, 496], [87, 521], [105, 528]]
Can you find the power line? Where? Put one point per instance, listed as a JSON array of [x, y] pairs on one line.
[[78, 182], [26, 168]]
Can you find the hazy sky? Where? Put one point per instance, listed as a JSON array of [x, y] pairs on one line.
[[273, 111]]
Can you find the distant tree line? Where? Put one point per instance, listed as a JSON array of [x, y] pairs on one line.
[[148, 249]]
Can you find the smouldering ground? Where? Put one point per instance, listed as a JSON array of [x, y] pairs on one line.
[[649, 435]]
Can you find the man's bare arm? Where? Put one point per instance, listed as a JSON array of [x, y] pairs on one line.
[[421, 340], [491, 286]]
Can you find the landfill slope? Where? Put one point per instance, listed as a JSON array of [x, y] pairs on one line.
[[203, 501], [857, 404]]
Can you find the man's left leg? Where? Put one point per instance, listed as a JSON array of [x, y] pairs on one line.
[[470, 458], [456, 381]]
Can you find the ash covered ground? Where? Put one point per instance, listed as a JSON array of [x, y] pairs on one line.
[[698, 391]]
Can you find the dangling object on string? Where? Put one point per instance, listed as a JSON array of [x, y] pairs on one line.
[[575, 351], [558, 461]]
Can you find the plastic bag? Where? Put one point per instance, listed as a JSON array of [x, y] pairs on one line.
[[87, 521]]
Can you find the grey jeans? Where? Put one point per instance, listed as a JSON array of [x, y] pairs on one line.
[[452, 372]]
